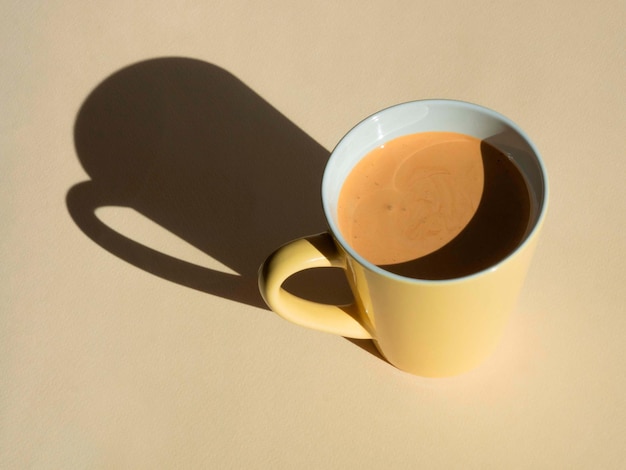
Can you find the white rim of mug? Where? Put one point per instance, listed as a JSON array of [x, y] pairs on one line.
[[377, 269]]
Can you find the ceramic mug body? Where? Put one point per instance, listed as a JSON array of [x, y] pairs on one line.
[[431, 328]]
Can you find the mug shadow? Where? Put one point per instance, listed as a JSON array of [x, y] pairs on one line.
[[192, 148]]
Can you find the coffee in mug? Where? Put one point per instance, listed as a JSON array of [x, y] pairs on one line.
[[434, 209], [434, 205]]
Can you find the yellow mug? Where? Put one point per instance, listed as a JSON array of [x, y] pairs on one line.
[[431, 328]]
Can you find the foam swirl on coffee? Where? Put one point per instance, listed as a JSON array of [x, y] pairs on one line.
[[411, 196]]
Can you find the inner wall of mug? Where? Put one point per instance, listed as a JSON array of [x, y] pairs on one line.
[[427, 116]]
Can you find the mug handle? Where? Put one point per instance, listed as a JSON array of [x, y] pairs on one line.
[[315, 251]]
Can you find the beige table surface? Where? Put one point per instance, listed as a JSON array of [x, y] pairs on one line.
[[153, 152]]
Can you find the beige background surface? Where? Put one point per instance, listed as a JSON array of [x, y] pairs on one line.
[[115, 355]]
